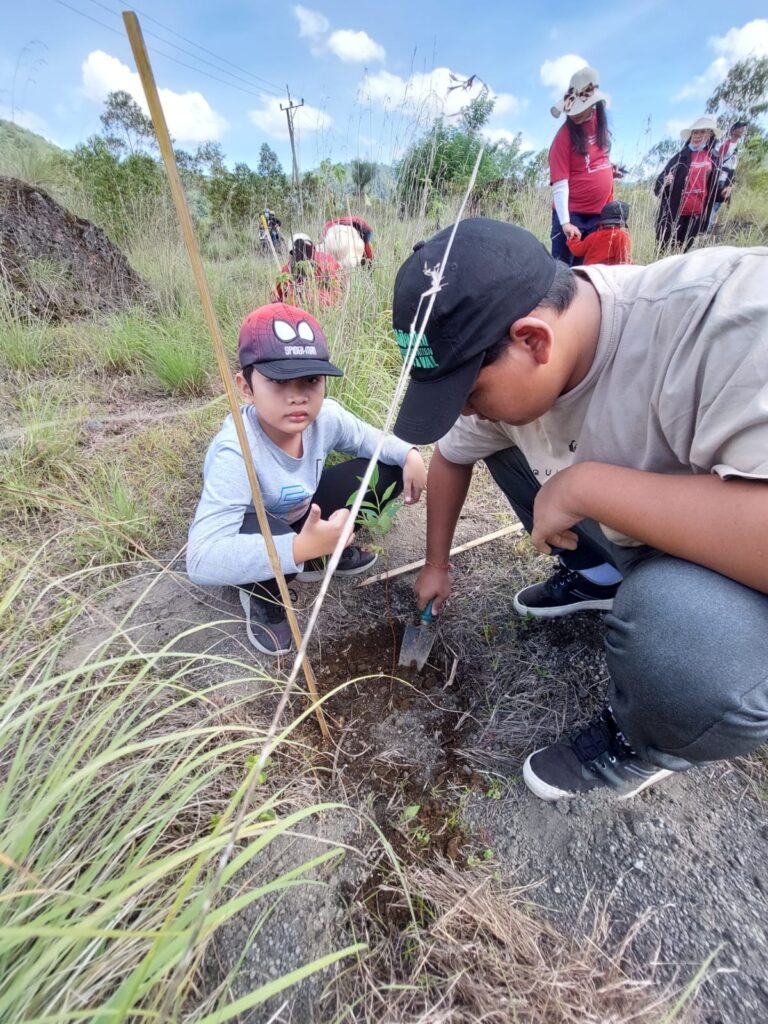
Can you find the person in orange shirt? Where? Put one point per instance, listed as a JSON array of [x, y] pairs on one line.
[[609, 243]]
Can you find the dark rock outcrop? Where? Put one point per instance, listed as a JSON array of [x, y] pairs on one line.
[[58, 266]]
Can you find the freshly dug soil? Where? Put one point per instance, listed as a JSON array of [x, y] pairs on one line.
[[58, 266]]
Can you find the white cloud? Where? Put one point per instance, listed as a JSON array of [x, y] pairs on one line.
[[355, 47], [556, 74], [189, 115], [25, 119], [432, 93], [737, 43], [272, 121], [312, 24]]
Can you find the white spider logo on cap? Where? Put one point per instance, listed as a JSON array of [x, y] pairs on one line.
[[286, 332]]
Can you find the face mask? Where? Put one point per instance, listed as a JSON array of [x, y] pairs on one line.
[[696, 149]]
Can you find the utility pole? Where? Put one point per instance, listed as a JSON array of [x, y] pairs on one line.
[[289, 109]]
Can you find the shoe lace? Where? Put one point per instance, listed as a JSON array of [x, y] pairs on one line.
[[275, 610], [601, 738], [561, 579]]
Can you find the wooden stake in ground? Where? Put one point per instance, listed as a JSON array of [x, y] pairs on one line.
[[180, 202]]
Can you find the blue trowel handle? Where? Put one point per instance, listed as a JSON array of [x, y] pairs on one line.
[[427, 615]]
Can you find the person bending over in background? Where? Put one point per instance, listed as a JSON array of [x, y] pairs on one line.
[[688, 187], [623, 411], [580, 168], [291, 428], [309, 277], [348, 239], [609, 243]]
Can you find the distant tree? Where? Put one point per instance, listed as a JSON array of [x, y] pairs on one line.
[[269, 164], [209, 155], [442, 161], [477, 113], [331, 172], [658, 155], [126, 126], [362, 173], [116, 187], [510, 158], [537, 168], [743, 96]]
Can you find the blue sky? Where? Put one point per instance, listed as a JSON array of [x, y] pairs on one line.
[[371, 74]]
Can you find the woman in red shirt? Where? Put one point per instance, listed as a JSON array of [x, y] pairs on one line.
[[688, 187], [580, 169]]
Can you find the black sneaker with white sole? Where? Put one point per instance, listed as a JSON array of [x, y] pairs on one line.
[[596, 757], [565, 592], [353, 561], [266, 623]]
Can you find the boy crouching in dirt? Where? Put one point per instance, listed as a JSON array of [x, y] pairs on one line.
[[623, 411], [291, 427]]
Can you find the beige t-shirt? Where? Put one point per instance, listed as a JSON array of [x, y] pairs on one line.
[[679, 383]]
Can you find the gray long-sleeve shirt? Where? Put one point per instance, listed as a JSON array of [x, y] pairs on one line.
[[217, 553]]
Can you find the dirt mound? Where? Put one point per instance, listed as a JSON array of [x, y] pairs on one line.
[[56, 265]]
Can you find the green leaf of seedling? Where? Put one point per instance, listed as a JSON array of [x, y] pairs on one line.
[[388, 493], [351, 499], [410, 812]]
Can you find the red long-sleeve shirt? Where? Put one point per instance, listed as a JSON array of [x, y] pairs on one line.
[[609, 245]]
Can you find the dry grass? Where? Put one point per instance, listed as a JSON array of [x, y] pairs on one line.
[[483, 953]]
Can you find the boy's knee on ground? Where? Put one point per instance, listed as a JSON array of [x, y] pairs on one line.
[[687, 651]]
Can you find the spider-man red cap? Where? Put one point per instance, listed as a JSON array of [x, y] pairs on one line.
[[284, 342]]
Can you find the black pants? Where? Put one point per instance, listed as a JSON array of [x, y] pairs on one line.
[[679, 232], [336, 485]]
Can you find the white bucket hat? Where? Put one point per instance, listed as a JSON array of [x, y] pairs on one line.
[[583, 93], [706, 123], [300, 237]]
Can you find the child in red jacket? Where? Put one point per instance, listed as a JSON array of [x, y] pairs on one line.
[[609, 243]]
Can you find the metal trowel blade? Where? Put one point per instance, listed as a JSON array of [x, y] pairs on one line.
[[418, 641]]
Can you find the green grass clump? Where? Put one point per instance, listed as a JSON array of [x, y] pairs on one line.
[[121, 784], [25, 345], [178, 355]]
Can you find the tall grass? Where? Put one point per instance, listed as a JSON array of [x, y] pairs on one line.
[[120, 777]]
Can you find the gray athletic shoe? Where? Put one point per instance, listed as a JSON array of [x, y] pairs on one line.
[[353, 561], [596, 757], [266, 623]]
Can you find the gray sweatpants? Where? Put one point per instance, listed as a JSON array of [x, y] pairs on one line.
[[687, 648]]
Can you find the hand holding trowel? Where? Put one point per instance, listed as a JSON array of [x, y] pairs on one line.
[[418, 640]]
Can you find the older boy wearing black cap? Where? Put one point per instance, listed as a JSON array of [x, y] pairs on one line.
[[291, 429], [624, 413]]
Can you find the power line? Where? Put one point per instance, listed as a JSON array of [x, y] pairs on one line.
[[160, 53], [224, 60], [252, 79]]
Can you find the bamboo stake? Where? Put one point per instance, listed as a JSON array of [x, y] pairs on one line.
[[166, 149], [504, 532]]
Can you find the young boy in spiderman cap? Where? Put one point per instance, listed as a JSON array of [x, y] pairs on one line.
[[291, 428]]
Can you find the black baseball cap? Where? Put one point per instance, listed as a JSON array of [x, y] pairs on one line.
[[284, 342], [615, 213], [496, 273]]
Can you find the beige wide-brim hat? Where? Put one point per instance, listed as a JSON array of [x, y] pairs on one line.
[[705, 123], [582, 93]]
